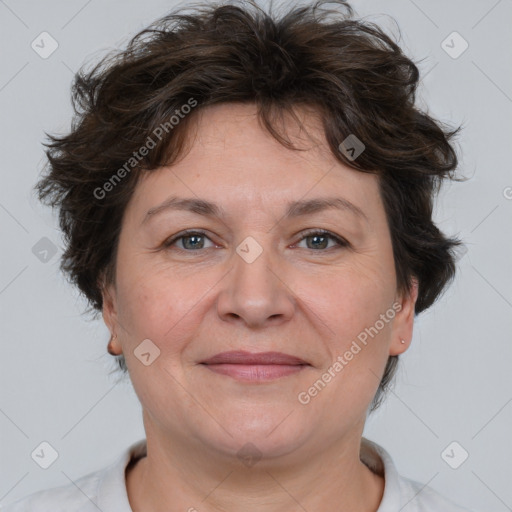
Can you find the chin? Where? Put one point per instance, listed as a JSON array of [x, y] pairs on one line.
[[257, 435]]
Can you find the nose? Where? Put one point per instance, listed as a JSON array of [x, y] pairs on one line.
[[256, 292]]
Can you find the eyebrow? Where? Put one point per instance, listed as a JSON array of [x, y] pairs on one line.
[[294, 208]]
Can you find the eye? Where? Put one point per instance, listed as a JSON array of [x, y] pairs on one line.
[[190, 240], [194, 240], [320, 240]]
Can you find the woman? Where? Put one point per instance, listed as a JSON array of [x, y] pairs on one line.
[[248, 202]]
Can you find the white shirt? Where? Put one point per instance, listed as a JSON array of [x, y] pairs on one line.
[[105, 490]]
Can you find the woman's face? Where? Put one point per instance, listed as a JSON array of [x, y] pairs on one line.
[[258, 277]]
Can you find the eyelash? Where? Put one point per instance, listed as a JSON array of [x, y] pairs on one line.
[[308, 233]]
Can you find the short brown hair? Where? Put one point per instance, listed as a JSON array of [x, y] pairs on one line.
[[350, 71]]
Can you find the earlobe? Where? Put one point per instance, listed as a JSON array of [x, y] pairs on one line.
[[404, 320], [113, 347]]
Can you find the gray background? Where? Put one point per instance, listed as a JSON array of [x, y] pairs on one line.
[[455, 382]]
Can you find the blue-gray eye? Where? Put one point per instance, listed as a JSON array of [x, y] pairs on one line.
[[190, 240], [320, 240]]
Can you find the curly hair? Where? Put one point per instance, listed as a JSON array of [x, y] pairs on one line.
[[349, 70]]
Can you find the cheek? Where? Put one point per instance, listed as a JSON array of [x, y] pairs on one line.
[[156, 303], [356, 341], [349, 298]]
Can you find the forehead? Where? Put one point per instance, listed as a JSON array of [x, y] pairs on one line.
[[231, 159], [229, 128]]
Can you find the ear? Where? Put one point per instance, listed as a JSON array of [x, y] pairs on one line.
[[109, 313], [404, 320]]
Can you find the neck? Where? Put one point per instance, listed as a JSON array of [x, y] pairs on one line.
[[188, 478]]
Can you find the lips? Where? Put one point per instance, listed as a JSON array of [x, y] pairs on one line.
[[255, 368], [248, 358]]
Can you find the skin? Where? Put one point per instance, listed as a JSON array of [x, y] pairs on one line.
[[302, 296]]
